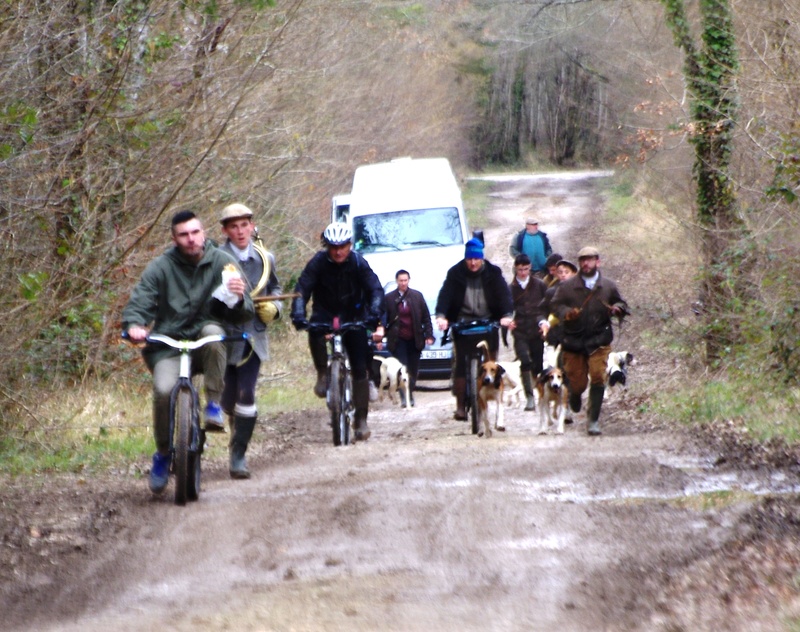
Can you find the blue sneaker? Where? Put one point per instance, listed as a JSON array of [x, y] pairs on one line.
[[159, 473], [213, 417]]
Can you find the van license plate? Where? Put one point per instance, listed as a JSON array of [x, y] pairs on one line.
[[435, 355]]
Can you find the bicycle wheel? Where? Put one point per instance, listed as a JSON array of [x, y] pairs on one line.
[[184, 409], [348, 409], [193, 484], [335, 400], [472, 394]]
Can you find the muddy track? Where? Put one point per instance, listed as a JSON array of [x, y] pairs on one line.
[[425, 526]]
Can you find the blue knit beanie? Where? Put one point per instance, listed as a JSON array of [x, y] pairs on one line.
[[474, 249]]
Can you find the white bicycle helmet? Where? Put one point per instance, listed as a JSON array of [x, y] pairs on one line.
[[337, 234]]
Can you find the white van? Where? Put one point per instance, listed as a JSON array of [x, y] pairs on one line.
[[407, 214]]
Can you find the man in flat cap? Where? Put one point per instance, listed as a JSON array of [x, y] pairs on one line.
[[585, 304], [532, 242], [245, 357]]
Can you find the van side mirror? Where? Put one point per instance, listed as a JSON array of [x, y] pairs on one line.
[[478, 234]]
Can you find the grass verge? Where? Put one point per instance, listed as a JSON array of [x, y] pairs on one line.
[[655, 244], [108, 425]]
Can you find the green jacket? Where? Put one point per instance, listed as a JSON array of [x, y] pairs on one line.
[[173, 297]]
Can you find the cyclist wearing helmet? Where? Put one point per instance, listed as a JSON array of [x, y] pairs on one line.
[[341, 283]]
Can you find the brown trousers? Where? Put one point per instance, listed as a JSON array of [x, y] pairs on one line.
[[582, 369]]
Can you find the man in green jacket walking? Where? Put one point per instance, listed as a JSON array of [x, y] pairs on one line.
[[585, 304], [174, 298]]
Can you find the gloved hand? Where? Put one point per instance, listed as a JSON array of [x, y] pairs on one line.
[[619, 311], [300, 323], [267, 311], [573, 314]]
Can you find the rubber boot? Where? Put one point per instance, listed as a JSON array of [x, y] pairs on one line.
[[321, 385], [361, 403], [596, 392], [573, 409], [402, 397], [460, 391], [527, 385], [240, 437]]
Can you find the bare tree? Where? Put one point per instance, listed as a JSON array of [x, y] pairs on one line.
[[114, 115]]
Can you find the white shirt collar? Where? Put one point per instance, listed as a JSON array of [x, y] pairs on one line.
[[591, 281], [241, 255]]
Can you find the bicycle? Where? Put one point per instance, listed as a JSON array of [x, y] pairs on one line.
[[339, 396], [477, 356], [187, 437]]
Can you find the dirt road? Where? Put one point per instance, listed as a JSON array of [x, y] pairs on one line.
[[427, 527]]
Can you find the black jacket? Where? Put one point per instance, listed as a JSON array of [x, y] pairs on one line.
[[451, 296], [350, 290]]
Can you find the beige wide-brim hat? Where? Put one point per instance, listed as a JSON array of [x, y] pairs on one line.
[[234, 211]]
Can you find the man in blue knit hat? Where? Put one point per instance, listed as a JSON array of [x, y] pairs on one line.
[[474, 289]]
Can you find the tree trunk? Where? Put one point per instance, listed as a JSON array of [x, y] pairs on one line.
[[709, 71]]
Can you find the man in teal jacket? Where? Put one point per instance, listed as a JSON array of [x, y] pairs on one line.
[[532, 242], [174, 298]]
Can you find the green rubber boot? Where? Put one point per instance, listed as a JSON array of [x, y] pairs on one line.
[[240, 437], [527, 386], [575, 402], [596, 392]]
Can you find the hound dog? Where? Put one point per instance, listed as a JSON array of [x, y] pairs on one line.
[[394, 377], [617, 370], [551, 355], [491, 386], [553, 393], [512, 378]]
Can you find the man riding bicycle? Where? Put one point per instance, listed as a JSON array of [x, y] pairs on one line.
[[341, 283], [174, 297], [474, 289]]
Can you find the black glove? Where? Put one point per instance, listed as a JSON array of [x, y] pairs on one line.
[[300, 323]]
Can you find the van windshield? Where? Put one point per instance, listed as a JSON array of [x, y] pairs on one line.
[[405, 230]]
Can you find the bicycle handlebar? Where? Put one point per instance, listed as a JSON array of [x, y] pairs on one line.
[[329, 328], [189, 345], [471, 327]]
